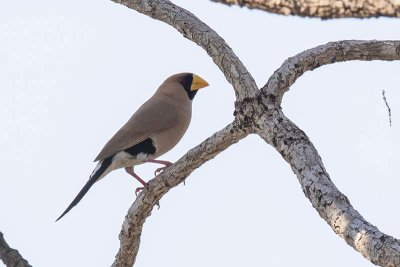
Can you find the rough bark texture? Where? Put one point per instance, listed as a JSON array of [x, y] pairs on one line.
[[334, 207], [197, 31], [10, 256], [259, 111], [325, 9], [295, 147]]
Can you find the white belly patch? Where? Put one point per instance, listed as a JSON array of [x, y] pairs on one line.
[[123, 159]]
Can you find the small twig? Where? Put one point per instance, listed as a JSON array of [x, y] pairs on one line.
[[387, 105], [10, 256]]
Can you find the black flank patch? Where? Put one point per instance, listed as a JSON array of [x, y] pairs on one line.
[[146, 146]]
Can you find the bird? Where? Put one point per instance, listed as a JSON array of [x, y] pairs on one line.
[[154, 129]]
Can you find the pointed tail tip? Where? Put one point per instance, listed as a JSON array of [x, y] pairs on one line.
[[99, 170], [62, 215], [65, 212]]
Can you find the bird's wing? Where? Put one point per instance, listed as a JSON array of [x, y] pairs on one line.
[[152, 117]]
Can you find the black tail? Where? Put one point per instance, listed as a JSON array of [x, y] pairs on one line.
[[104, 165]]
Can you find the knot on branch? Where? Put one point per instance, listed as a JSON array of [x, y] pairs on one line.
[[249, 110], [246, 111]]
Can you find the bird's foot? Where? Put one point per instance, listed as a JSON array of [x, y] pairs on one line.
[[159, 170]]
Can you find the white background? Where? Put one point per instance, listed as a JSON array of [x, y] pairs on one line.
[[72, 72]]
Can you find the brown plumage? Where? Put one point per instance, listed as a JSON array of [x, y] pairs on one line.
[[154, 129]]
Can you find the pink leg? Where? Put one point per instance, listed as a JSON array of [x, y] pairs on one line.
[[164, 162], [131, 172]]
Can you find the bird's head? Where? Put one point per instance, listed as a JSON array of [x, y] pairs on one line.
[[189, 81]]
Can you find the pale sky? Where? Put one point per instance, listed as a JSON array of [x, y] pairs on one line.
[[72, 73]]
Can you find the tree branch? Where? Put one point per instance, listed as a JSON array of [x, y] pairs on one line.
[[197, 31], [296, 148], [10, 256], [261, 113], [325, 9], [326, 54], [161, 184], [333, 206]]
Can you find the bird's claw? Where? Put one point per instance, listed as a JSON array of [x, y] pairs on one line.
[[138, 189], [159, 170]]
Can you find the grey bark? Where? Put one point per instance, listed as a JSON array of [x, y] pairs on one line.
[[11, 257], [295, 147], [259, 112], [325, 9]]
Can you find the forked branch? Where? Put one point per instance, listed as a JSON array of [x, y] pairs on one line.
[[261, 114], [296, 148]]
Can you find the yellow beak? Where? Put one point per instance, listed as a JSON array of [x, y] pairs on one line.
[[198, 83]]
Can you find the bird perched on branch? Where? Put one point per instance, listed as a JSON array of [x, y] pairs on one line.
[[154, 129]]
